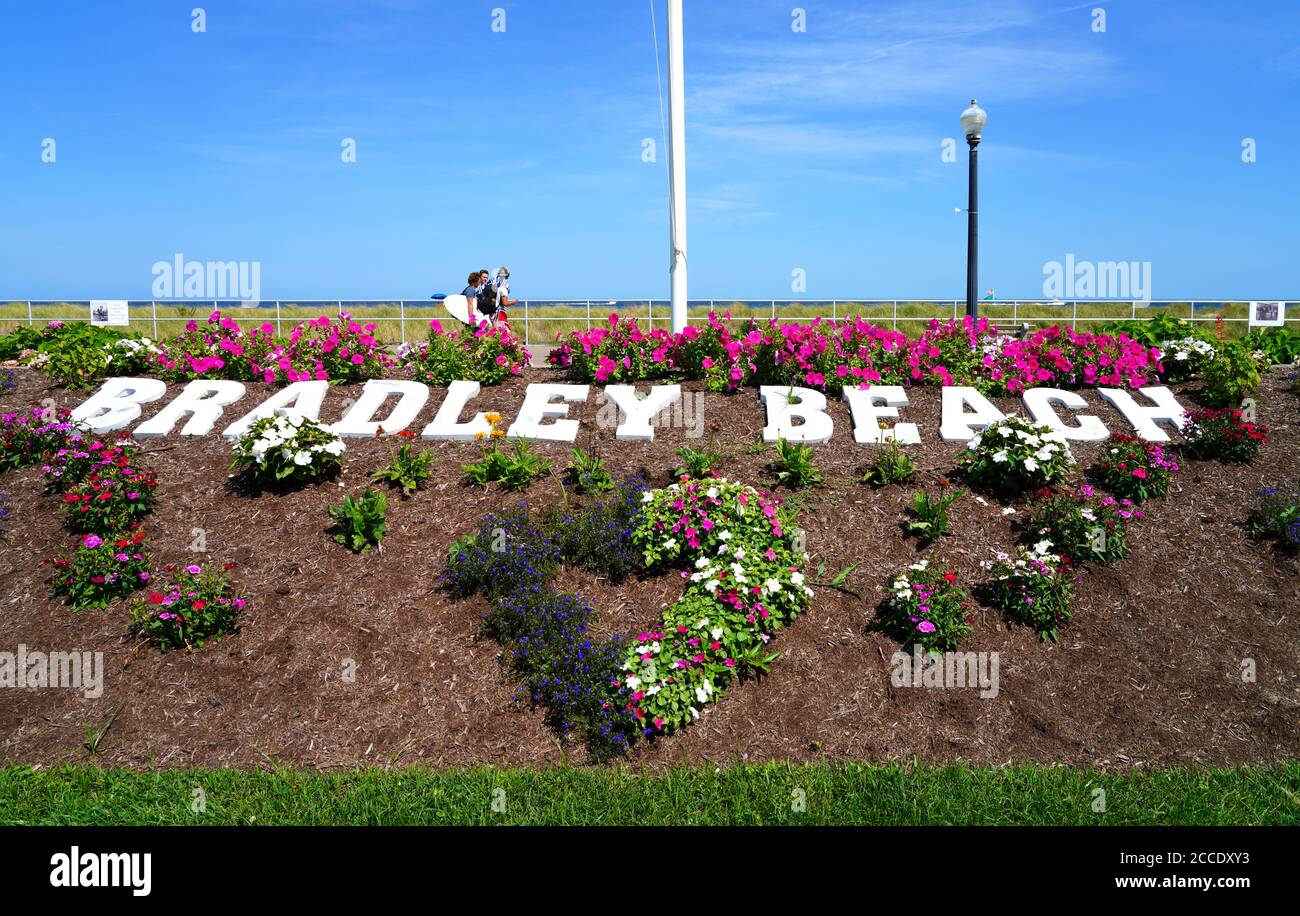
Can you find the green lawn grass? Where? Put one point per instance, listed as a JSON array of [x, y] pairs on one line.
[[542, 323], [792, 794]]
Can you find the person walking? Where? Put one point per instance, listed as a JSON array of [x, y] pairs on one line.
[[502, 283]]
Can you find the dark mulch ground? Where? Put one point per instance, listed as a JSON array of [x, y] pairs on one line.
[[1147, 674]]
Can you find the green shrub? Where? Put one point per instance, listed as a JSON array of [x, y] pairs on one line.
[[697, 463], [359, 523], [1230, 375], [1156, 331], [1222, 435], [1134, 468], [1276, 515], [29, 435], [1033, 588], [1186, 357], [197, 606], [931, 515], [587, 473], [293, 449], [598, 537], [407, 470], [926, 607], [1280, 346], [78, 354], [80, 454], [100, 571], [111, 500], [1083, 528], [1013, 455], [514, 468], [23, 337], [794, 466], [891, 465]]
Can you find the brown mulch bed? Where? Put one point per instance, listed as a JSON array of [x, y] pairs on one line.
[[1148, 673]]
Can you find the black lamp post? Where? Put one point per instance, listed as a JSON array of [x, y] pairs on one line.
[[972, 124]]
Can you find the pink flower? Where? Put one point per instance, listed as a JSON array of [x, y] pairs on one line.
[[91, 541], [925, 626]]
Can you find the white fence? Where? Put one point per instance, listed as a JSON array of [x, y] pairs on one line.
[[161, 315]]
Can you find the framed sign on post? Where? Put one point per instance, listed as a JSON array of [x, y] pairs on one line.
[[109, 312], [1267, 314]]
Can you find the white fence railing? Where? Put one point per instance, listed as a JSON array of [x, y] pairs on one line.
[[159, 315]]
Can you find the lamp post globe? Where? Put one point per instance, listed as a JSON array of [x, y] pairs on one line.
[[972, 121]]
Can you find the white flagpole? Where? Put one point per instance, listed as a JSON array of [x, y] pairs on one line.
[[677, 165]]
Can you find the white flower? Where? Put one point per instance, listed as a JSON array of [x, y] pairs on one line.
[[716, 632], [1031, 464], [724, 535], [1004, 431], [701, 562], [711, 492], [772, 585], [1001, 456], [796, 577], [633, 682], [302, 458], [1042, 546], [670, 543], [1008, 511], [647, 496]]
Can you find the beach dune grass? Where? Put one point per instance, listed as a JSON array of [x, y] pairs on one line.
[[540, 321], [776, 793]]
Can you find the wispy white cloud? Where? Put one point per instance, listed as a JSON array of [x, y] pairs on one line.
[[851, 88]]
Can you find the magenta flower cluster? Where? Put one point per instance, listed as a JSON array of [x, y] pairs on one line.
[[323, 349], [830, 355]]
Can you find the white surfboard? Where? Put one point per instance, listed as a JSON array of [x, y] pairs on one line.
[[458, 307]]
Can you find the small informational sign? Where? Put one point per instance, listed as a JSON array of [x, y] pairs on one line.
[[1267, 314], [109, 312]]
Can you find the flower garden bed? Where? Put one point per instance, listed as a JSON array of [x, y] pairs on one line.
[[344, 659]]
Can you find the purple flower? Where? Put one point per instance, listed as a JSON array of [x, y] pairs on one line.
[[91, 541], [193, 570]]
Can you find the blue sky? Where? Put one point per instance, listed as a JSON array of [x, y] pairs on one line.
[[818, 150]]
